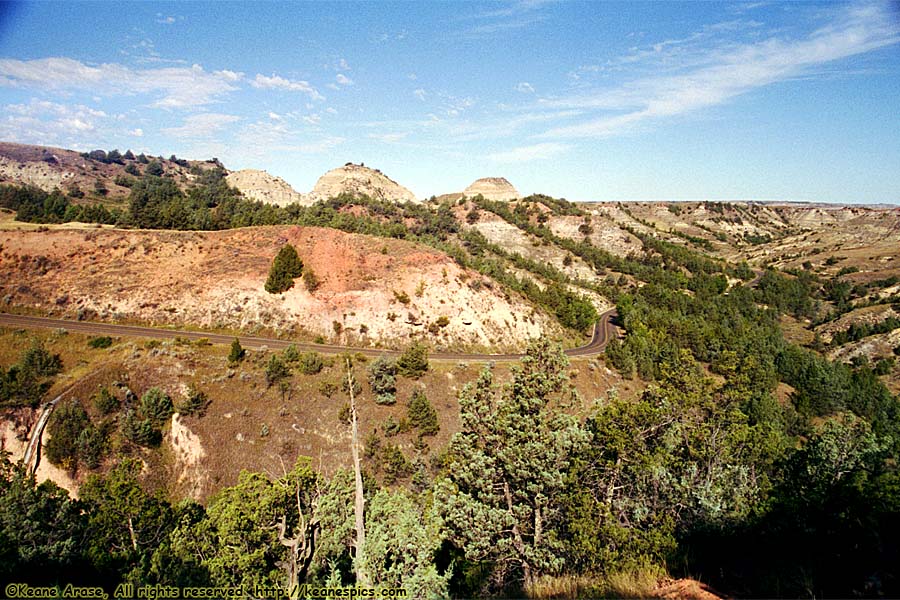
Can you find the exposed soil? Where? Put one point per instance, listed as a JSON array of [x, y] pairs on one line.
[[372, 290]]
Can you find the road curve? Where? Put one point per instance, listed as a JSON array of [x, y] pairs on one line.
[[603, 331]]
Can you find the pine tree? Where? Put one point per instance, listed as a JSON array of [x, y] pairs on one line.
[[286, 266]]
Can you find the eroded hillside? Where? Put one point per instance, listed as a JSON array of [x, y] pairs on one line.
[[371, 291]]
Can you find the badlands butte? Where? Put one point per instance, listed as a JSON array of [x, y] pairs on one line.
[[119, 237]]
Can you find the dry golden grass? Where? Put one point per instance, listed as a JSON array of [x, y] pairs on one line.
[[641, 582], [300, 421]]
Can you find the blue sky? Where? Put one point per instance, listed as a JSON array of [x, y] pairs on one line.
[[587, 101]]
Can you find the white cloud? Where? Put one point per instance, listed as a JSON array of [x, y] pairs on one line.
[[388, 137], [343, 79], [201, 125], [39, 107], [529, 153], [261, 140], [137, 132], [51, 123], [165, 20], [312, 119], [229, 75], [420, 94], [331, 111], [275, 116], [516, 15], [524, 87], [175, 86], [728, 72], [276, 82]]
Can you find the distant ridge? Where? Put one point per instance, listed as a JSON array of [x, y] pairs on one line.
[[492, 188]]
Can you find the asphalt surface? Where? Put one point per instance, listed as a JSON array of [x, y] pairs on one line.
[[604, 330]]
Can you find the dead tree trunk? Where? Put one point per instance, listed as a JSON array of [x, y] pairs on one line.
[[362, 576], [302, 546]]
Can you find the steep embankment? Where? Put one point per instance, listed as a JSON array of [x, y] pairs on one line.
[[371, 290]]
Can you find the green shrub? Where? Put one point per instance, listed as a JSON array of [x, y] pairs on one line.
[[105, 402], [344, 413], [100, 342], [195, 403], [156, 406], [291, 354], [372, 445], [385, 399], [327, 388], [390, 427], [276, 370], [311, 363], [310, 280], [383, 378]]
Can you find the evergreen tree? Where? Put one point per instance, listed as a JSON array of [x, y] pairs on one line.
[[276, 370], [383, 380], [286, 266], [237, 352], [508, 467], [422, 414], [401, 546], [413, 363], [67, 422], [156, 406]]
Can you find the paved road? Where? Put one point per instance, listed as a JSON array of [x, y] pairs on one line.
[[604, 330]]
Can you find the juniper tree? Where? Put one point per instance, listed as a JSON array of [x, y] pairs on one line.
[[401, 546], [237, 352], [286, 266], [422, 414], [508, 466], [383, 380], [413, 363]]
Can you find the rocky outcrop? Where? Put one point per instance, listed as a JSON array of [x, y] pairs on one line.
[[359, 180], [262, 186], [492, 188], [41, 174]]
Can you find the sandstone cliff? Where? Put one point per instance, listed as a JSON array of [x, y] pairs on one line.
[[492, 188], [362, 181], [262, 186]]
